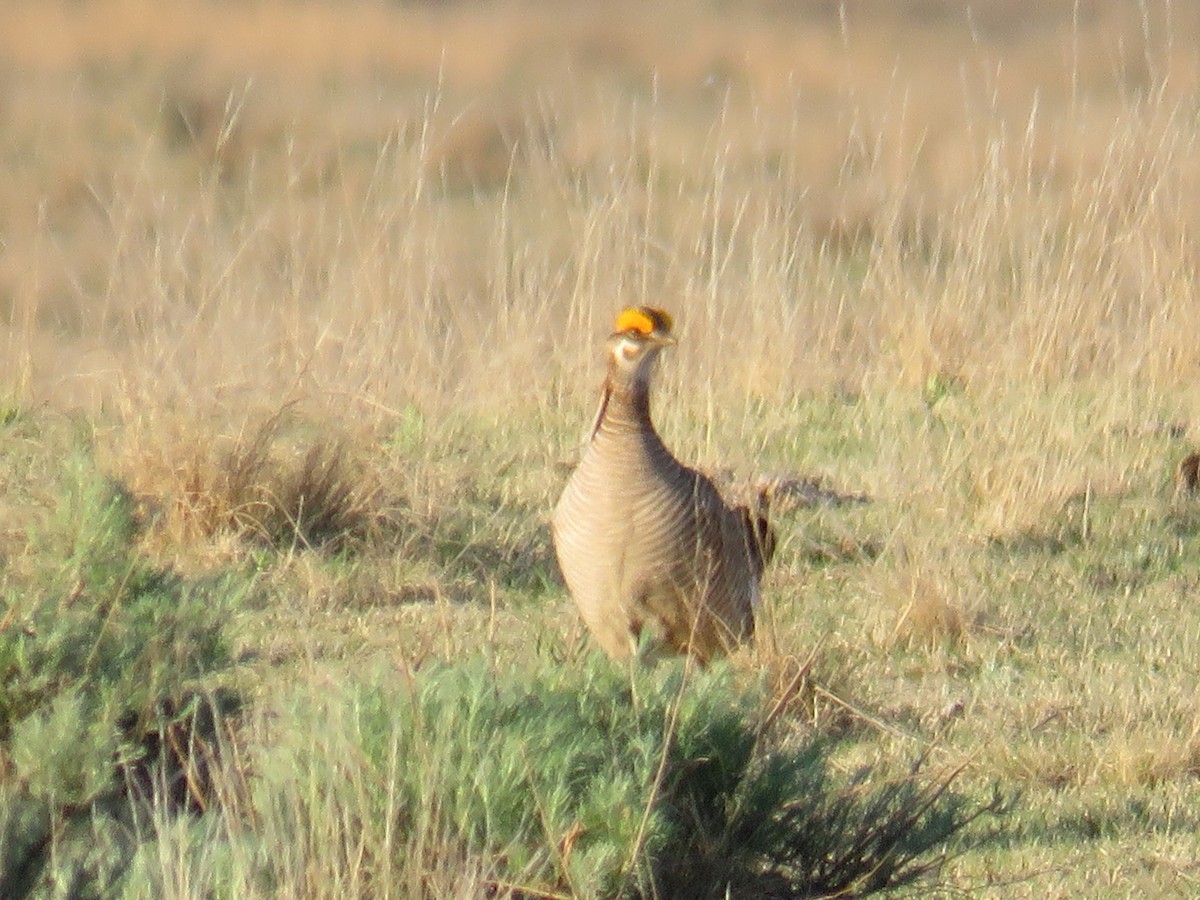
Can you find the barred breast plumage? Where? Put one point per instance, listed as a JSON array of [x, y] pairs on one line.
[[648, 548]]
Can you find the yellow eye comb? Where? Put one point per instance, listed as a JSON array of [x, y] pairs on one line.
[[644, 320]]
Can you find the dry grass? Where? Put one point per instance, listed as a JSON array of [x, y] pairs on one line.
[[325, 283], [380, 242], [196, 488]]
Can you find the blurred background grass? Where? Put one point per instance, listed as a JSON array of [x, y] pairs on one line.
[[212, 196]]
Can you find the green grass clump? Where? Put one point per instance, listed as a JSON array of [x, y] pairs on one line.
[[589, 782], [94, 641]]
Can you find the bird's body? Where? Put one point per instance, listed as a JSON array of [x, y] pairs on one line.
[[647, 547]]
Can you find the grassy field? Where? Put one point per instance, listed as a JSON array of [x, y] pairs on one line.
[[301, 311]]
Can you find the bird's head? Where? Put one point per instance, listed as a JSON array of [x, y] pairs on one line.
[[640, 333]]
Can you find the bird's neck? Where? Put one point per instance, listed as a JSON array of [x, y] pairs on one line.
[[624, 406]]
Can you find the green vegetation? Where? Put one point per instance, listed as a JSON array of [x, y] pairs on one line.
[[468, 740], [95, 641], [585, 781]]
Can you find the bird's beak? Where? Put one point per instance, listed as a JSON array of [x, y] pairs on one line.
[[663, 338]]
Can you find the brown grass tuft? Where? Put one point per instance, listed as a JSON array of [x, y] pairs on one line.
[[256, 485], [1149, 759], [1187, 477], [927, 604]]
